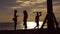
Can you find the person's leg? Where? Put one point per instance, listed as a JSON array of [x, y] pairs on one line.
[[25, 23], [35, 26], [15, 25], [38, 24], [25, 26]]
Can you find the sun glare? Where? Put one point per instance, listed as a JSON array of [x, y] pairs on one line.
[[31, 25]]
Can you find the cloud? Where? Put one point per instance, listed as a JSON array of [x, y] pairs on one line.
[[31, 6], [56, 3], [19, 1], [56, 9], [16, 7], [30, 2], [56, 0]]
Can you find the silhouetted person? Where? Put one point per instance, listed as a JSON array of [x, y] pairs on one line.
[[25, 18], [15, 19], [37, 18]]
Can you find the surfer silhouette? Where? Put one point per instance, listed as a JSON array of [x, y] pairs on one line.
[[38, 14], [15, 19], [25, 18]]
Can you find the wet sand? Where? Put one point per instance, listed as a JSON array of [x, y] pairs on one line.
[[31, 31]]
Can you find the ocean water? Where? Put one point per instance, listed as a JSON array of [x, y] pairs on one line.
[[10, 25]]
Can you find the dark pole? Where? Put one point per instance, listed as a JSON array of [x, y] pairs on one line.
[[50, 17], [50, 22], [49, 6]]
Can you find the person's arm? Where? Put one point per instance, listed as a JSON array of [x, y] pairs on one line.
[[40, 13]]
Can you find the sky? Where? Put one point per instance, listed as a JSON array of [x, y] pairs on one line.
[[7, 8]]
